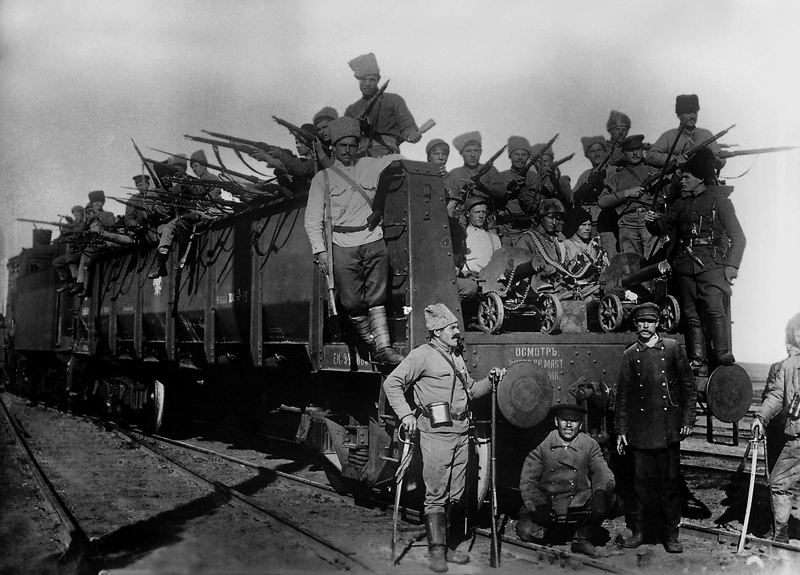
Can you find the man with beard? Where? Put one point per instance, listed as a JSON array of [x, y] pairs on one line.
[[511, 216], [436, 372], [623, 193], [686, 108], [656, 398], [469, 145], [342, 197], [588, 189], [389, 123], [551, 185], [565, 483], [710, 248]]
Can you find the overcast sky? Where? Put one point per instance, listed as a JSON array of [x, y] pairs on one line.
[[79, 78]]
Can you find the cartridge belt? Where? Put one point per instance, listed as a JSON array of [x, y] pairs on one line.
[[349, 229], [692, 242], [454, 416]]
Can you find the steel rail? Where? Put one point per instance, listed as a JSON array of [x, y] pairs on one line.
[[732, 537], [73, 534], [330, 552]]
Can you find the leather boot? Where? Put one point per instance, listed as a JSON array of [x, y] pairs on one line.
[[670, 542], [383, 353], [435, 525], [581, 544], [638, 537], [455, 533], [696, 349], [361, 325], [161, 265], [718, 333], [781, 533]]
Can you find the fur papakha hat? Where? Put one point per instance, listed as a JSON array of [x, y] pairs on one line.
[[344, 128], [364, 65], [701, 165], [199, 155], [460, 142], [588, 141], [536, 148], [518, 143], [616, 119], [438, 316], [97, 196], [687, 103], [326, 113]]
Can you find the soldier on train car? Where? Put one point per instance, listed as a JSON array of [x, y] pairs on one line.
[[141, 216], [459, 179], [66, 265], [656, 398], [686, 108], [342, 197], [389, 123], [512, 217], [436, 373], [623, 193], [565, 482], [783, 399], [706, 258], [95, 220], [551, 184], [323, 147], [618, 125]]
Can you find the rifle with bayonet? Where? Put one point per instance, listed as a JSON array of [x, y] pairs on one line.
[[589, 191], [472, 182], [518, 182], [249, 178], [306, 138], [725, 155], [44, 223], [153, 177], [242, 141]]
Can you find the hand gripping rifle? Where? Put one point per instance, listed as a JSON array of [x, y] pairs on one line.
[[371, 104], [589, 191], [306, 138], [513, 185], [474, 180]]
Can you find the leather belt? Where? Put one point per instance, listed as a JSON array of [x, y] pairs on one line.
[[641, 210], [697, 241], [454, 416], [349, 229]]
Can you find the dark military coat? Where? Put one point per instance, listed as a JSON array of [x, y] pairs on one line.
[[707, 230], [656, 394]]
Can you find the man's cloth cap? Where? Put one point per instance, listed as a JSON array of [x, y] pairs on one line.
[[309, 129], [617, 119], [633, 143], [687, 103], [647, 310], [436, 142], [475, 200], [76, 209], [518, 143], [139, 177], [588, 141], [701, 164], [564, 410], [460, 142], [536, 148], [344, 128], [438, 316], [326, 113], [364, 65], [97, 196]]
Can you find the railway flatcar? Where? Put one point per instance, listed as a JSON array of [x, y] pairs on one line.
[[242, 319]]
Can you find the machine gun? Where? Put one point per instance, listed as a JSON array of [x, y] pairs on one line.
[[306, 138], [44, 223]]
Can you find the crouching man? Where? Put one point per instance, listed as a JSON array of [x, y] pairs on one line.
[[437, 375], [565, 484]]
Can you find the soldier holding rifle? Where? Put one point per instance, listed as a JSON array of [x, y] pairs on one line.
[[388, 123], [95, 221], [552, 185], [686, 108], [706, 258], [518, 180], [66, 265], [589, 186], [354, 254], [442, 390], [474, 177]]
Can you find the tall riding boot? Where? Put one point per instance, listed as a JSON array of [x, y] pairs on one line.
[[384, 353], [456, 532], [361, 325], [696, 348], [435, 525], [161, 265], [718, 332], [781, 534]]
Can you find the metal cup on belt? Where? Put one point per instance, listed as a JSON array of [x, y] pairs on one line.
[[439, 413]]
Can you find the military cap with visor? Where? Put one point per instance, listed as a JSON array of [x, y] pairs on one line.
[[647, 310], [635, 142], [570, 411]]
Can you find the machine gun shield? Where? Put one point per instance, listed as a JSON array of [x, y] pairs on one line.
[[524, 395], [729, 393]]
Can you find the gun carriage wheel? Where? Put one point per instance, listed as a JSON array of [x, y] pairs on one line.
[[550, 312], [491, 312], [670, 314], [610, 313]]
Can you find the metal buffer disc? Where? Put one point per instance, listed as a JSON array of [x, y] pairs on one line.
[[524, 395], [730, 393]]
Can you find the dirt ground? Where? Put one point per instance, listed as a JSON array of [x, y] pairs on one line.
[[149, 519]]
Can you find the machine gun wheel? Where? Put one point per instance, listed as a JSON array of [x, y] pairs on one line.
[[550, 313], [670, 314], [491, 312], [610, 313]]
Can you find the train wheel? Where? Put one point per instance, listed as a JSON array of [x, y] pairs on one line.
[[670, 315], [551, 313], [491, 312], [610, 313], [154, 411]]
